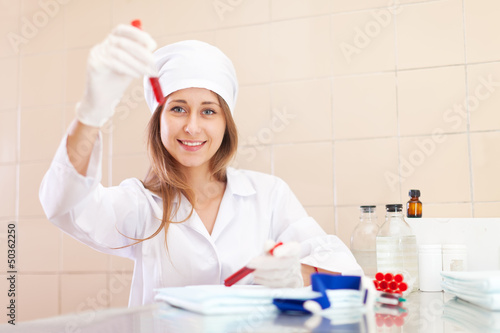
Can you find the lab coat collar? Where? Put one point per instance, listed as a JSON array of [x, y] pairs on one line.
[[237, 184]]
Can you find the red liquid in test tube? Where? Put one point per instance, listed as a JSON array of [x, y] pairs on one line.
[[155, 83], [241, 273]]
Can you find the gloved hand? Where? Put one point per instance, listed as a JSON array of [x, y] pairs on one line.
[[125, 54], [281, 269]]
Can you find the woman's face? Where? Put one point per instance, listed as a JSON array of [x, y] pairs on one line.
[[192, 126]]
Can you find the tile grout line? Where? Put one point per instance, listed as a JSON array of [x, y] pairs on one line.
[[18, 142], [350, 205], [64, 115], [282, 144], [468, 132], [271, 103], [396, 77], [290, 19], [18, 127], [332, 124], [360, 74], [110, 175]]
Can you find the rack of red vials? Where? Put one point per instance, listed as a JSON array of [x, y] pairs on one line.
[[390, 320], [390, 283]]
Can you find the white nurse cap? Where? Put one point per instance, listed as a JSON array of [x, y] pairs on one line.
[[193, 64]]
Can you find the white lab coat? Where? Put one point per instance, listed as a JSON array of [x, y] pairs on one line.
[[255, 207]]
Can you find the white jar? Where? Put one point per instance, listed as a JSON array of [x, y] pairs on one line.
[[454, 257], [430, 265]]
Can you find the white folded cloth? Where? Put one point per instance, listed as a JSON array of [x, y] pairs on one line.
[[480, 288], [470, 317], [218, 299], [487, 281]]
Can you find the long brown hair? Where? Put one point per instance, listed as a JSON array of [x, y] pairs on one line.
[[164, 177]]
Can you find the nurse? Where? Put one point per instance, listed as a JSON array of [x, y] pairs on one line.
[[192, 220]]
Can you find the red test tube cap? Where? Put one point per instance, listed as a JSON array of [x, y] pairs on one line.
[[393, 285], [388, 277], [398, 278], [137, 24], [379, 276], [399, 321], [383, 285], [389, 321], [403, 286]]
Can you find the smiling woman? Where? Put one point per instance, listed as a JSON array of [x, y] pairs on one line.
[[190, 132], [193, 121], [193, 220]]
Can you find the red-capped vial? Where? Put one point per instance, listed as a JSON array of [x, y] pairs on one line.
[[137, 24], [153, 80], [398, 278], [388, 277], [393, 285], [403, 286], [379, 276], [399, 321], [383, 284], [389, 321]]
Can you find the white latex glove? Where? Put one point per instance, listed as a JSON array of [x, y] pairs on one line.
[[282, 269], [125, 54]]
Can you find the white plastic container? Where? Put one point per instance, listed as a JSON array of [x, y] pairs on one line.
[[454, 257], [430, 264]]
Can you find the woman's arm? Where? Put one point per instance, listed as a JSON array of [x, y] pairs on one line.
[[81, 140], [71, 194], [307, 270], [126, 53], [292, 223]]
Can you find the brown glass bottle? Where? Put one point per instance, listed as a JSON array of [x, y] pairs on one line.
[[414, 205]]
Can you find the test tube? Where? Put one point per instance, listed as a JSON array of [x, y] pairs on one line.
[[155, 83], [244, 271]]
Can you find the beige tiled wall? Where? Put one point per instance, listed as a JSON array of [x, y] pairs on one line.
[[351, 102]]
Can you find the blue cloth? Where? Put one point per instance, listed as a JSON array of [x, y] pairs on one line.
[[320, 283]]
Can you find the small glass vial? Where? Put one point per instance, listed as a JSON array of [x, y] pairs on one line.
[[363, 240], [414, 205]]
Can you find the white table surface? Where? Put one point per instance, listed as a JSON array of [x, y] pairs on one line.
[[430, 312]]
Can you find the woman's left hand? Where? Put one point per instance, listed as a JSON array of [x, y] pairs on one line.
[[282, 269]]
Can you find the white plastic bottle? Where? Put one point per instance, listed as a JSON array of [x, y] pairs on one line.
[[363, 240], [397, 250]]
